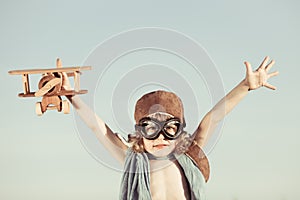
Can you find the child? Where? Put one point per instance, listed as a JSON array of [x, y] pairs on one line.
[[162, 161]]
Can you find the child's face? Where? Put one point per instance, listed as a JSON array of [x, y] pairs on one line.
[[160, 146]]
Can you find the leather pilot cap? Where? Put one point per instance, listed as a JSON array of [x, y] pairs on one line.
[[159, 101]]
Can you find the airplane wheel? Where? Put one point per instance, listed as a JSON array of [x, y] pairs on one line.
[[65, 107], [38, 108]]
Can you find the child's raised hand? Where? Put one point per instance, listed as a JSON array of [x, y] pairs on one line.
[[65, 80], [259, 77]]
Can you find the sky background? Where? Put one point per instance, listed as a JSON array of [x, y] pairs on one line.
[[256, 156]]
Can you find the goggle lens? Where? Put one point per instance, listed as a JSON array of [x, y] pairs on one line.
[[172, 127], [151, 128]]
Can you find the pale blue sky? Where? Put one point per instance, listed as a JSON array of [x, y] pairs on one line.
[[257, 154]]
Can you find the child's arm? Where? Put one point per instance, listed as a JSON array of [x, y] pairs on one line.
[[253, 80], [104, 134]]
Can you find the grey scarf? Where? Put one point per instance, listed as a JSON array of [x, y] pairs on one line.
[[135, 183]]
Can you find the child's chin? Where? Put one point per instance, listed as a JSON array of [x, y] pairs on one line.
[[162, 152]]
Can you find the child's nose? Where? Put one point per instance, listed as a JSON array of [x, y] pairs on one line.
[[161, 136]]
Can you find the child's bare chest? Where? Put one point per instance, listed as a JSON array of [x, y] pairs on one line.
[[168, 181]]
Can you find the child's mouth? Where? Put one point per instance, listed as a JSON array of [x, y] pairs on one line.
[[160, 146]]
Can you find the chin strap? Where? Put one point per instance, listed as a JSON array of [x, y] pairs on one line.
[[170, 156]]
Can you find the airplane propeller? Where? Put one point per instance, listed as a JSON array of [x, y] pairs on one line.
[[47, 87]]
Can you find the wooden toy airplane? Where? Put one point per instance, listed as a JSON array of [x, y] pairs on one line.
[[50, 87]]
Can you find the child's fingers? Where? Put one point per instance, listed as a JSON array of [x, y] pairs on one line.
[[248, 67], [264, 62], [273, 74], [270, 65], [268, 85]]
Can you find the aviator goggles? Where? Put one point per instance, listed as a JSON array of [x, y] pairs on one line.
[[151, 128]]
